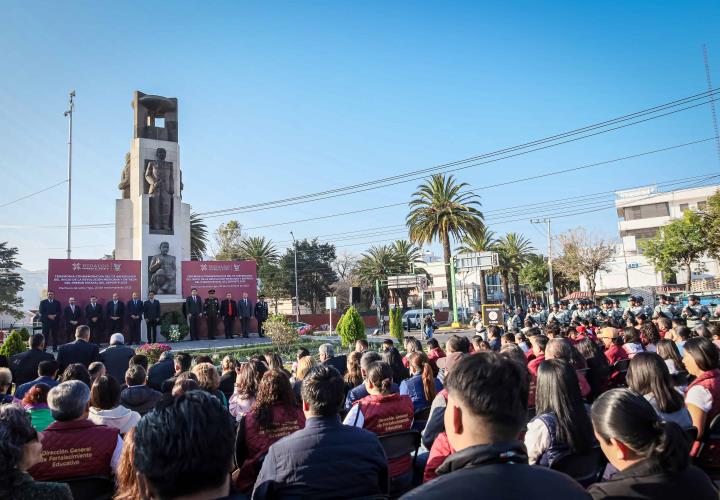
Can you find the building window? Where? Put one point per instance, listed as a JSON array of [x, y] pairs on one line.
[[647, 211], [702, 205], [444, 294], [684, 207]]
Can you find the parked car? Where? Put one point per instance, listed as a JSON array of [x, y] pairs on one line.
[[413, 318], [302, 328]]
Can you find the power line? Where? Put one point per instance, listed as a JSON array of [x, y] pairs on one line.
[[34, 194]]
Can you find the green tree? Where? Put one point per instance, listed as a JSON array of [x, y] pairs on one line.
[[198, 237], [711, 223], [516, 250], [273, 283], [407, 257], [484, 241], [350, 327], [378, 263], [678, 245], [11, 283], [13, 345], [443, 209], [535, 273], [315, 272], [396, 324], [281, 332], [259, 249], [227, 239]]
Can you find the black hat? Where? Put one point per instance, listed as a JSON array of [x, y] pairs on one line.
[[693, 297], [640, 298], [212, 290], [608, 300]]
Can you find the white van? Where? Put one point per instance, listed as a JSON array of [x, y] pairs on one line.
[[415, 317]]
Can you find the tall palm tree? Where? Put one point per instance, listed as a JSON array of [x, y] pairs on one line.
[[408, 256], [441, 209], [198, 237], [259, 249], [517, 250], [378, 263], [484, 241]]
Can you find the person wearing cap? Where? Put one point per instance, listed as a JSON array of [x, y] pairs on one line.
[[74, 446], [695, 313], [538, 314], [211, 309], [516, 320], [261, 314], [116, 358], [664, 309], [606, 314]]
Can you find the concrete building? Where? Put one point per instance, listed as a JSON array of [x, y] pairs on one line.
[[641, 213]]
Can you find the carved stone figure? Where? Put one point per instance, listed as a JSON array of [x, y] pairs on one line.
[[162, 271], [161, 182], [124, 185]]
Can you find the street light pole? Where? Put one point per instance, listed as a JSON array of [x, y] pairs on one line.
[[69, 114], [297, 293], [551, 299]]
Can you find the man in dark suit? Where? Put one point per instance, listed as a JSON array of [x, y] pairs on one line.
[[161, 371], [194, 310], [94, 318], [135, 312], [261, 314], [211, 309], [151, 312], [228, 312], [80, 351], [116, 358], [73, 316], [245, 311], [50, 316], [24, 366], [115, 313]]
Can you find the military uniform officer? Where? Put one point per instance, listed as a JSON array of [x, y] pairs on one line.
[[606, 314], [695, 313], [556, 315], [212, 311], [634, 308], [664, 309], [538, 315], [515, 323]]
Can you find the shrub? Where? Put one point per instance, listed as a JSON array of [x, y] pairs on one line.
[[396, 324], [25, 334], [351, 327], [13, 344], [153, 351], [280, 331]]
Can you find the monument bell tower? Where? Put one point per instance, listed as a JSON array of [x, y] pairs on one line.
[[152, 224]]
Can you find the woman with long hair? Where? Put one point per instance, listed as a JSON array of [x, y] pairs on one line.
[[702, 397], [304, 365], [650, 454], [631, 341], [275, 362], [228, 376], [126, 476], [246, 384], [353, 376], [35, 403], [422, 386], [411, 345], [563, 349], [670, 354], [649, 336], [105, 407], [649, 376], [562, 426], [209, 380], [275, 415], [598, 375], [394, 359]]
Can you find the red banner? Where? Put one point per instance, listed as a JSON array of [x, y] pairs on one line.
[[235, 277], [81, 278]]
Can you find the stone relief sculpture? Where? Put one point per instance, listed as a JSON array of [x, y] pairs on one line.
[[161, 182], [124, 185], [162, 271]]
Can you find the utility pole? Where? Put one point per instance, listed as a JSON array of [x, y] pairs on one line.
[[297, 291], [378, 303], [712, 100], [551, 296], [69, 114]]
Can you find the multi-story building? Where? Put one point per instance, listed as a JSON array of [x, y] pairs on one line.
[[641, 213]]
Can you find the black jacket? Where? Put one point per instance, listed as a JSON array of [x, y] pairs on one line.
[[151, 310], [93, 312], [193, 306], [160, 372], [140, 398], [69, 316], [224, 308], [339, 363], [245, 310], [112, 309], [134, 308], [326, 459], [116, 359], [261, 311], [648, 479], [46, 308], [77, 352], [24, 366], [498, 471]]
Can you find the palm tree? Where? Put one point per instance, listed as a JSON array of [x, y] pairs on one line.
[[516, 250], [442, 208], [259, 249], [484, 241], [378, 263], [407, 255], [198, 237]]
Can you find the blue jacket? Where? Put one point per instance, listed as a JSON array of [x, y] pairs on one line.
[[24, 388], [413, 387], [326, 459]]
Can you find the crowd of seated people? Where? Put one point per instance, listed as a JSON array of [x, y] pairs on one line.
[[495, 415]]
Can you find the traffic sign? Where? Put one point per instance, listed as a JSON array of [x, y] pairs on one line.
[[480, 260]]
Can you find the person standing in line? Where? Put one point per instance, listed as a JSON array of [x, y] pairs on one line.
[[194, 310], [245, 311], [50, 316], [228, 313], [72, 315], [151, 313], [135, 312], [94, 318], [261, 314], [211, 309], [115, 312]]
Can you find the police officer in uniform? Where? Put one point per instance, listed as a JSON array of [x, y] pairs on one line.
[[606, 315], [555, 314], [515, 323], [695, 314], [565, 313], [634, 308], [538, 314], [664, 309], [211, 309]]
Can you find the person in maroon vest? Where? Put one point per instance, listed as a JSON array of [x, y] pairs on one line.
[[383, 412], [703, 394], [275, 415], [73, 446]]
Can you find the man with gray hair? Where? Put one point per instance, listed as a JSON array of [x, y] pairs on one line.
[[328, 358], [73, 446], [359, 392], [116, 358]]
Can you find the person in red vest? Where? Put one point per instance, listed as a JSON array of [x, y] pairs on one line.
[[275, 414], [613, 352], [702, 398], [384, 412], [73, 446]]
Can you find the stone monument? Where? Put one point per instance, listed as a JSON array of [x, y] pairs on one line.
[[152, 224]]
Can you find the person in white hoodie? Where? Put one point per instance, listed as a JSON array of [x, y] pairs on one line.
[[105, 407]]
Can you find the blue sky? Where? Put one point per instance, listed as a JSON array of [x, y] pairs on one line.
[[284, 98]]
